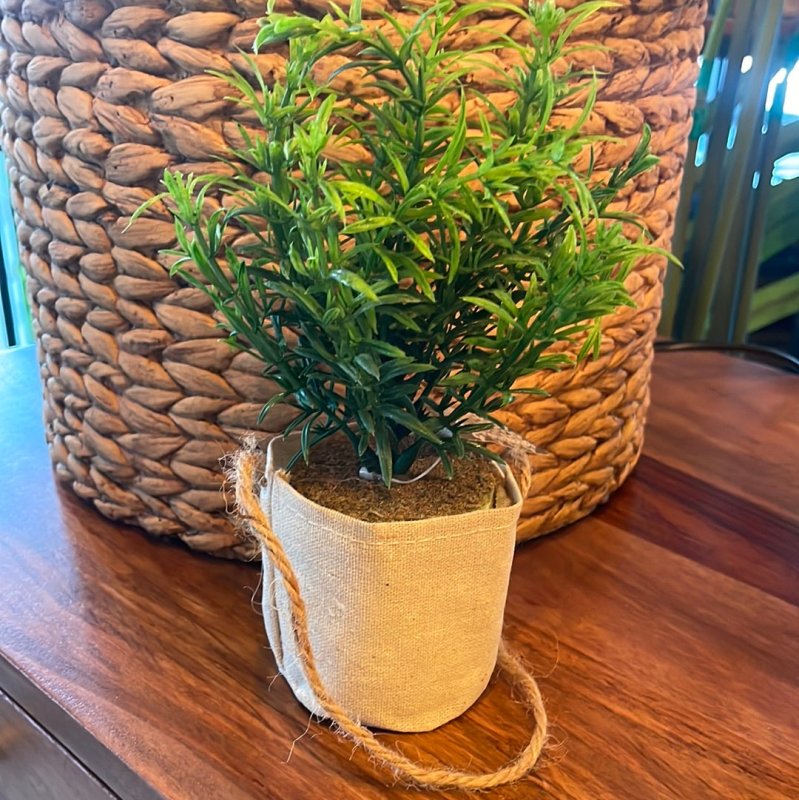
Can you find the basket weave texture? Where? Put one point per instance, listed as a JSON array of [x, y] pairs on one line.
[[141, 399]]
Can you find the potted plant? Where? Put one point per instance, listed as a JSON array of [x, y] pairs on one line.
[[398, 252]]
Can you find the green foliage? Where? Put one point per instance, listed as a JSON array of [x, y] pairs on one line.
[[395, 293]]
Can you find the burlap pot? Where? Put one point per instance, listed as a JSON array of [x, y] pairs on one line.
[[140, 399], [364, 629], [395, 645]]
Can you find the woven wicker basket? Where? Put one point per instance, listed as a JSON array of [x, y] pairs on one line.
[[141, 399]]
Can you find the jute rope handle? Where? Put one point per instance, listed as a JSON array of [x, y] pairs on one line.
[[247, 467]]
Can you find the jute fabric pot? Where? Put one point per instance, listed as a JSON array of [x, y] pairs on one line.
[[396, 645], [362, 629], [141, 399]]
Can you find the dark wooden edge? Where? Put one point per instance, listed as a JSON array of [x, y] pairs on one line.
[[67, 731], [49, 756]]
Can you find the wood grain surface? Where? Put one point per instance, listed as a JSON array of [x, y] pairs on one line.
[[664, 628]]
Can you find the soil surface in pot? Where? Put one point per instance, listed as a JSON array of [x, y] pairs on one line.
[[331, 480]]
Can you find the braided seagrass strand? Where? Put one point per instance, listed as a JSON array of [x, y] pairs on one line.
[[246, 467], [141, 400]]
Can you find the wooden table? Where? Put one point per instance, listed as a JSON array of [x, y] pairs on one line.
[[664, 628]]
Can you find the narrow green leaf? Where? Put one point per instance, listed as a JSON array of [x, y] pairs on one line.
[[368, 364], [355, 282], [365, 225]]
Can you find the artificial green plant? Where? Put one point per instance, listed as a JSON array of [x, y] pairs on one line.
[[414, 248]]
